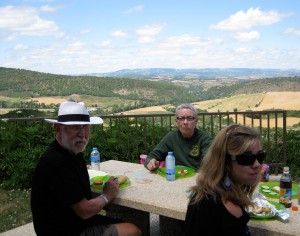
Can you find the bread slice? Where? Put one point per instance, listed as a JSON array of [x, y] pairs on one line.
[[276, 189], [122, 179]]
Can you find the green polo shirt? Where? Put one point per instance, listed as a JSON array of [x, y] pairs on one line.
[[187, 151]]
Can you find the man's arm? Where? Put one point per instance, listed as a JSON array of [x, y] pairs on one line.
[[88, 208], [158, 153]]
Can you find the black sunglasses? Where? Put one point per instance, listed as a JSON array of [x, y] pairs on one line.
[[248, 158]]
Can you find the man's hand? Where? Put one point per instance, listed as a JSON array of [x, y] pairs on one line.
[[111, 188], [153, 164]]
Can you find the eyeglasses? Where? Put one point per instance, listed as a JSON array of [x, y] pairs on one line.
[[248, 158], [183, 118]]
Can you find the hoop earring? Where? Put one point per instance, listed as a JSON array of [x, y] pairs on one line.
[[227, 183]]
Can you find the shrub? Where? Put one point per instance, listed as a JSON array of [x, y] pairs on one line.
[[123, 139]]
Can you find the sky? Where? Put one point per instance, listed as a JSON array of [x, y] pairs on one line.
[[98, 36]]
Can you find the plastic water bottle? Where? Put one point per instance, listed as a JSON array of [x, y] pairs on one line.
[[95, 159], [285, 195], [170, 167]]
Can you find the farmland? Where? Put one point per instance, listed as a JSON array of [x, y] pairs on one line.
[[244, 102]]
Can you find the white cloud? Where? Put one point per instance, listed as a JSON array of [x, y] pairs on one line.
[[75, 49], [119, 34], [20, 47], [77, 44], [185, 39], [47, 8], [247, 36], [26, 21], [145, 40], [137, 8], [246, 20], [85, 31], [292, 31], [10, 38], [150, 30], [105, 43], [243, 50]]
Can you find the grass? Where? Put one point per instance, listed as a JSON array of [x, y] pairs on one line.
[[14, 209]]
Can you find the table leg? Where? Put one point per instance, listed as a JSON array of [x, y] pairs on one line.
[[137, 217], [170, 226]]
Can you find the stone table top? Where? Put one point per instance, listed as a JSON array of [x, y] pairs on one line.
[[169, 198]]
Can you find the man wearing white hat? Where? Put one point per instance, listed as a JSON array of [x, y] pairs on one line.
[[61, 198]]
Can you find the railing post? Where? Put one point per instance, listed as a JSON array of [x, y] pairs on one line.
[[284, 137]]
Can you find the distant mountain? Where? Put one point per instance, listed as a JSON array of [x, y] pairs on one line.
[[207, 72]]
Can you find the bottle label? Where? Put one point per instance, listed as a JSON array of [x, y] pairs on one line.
[[285, 196], [170, 171], [95, 158]]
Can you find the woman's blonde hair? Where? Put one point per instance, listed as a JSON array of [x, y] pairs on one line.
[[233, 140]]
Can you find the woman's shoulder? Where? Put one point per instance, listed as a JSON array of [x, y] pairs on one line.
[[207, 202]]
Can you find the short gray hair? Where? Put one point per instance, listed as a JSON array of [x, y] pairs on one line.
[[187, 106]]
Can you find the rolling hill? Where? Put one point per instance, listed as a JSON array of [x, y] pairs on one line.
[[22, 86]]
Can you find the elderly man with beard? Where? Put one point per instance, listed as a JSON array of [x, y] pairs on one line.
[[61, 198]]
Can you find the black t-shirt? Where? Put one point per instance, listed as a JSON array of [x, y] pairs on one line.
[[211, 218], [60, 180]]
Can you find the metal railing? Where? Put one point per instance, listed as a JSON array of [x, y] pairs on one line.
[[272, 126]]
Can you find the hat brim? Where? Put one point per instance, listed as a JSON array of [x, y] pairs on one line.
[[93, 121]]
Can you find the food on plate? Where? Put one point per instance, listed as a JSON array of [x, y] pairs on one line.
[[276, 189], [266, 209], [294, 208], [97, 182], [183, 172], [265, 187], [258, 209], [273, 193], [122, 179], [266, 190], [255, 209]]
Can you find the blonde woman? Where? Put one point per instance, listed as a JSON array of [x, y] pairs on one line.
[[229, 173]]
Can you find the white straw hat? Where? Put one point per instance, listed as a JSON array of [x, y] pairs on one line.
[[73, 113]]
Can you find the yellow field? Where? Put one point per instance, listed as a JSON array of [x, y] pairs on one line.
[[146, 110], [48, 100], [280, 100], [290, 121], [255, 102], [258, 102], [88, 100]]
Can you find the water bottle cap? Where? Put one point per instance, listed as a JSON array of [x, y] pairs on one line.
[[170, 153], [94, 148]]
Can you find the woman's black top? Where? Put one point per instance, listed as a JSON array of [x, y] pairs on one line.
[[210, 217]]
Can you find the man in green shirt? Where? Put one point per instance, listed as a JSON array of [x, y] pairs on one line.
[[188, 143]]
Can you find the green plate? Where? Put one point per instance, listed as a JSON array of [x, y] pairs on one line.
[[273, 194], [277, 205], [106, 178], [191, 172]]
